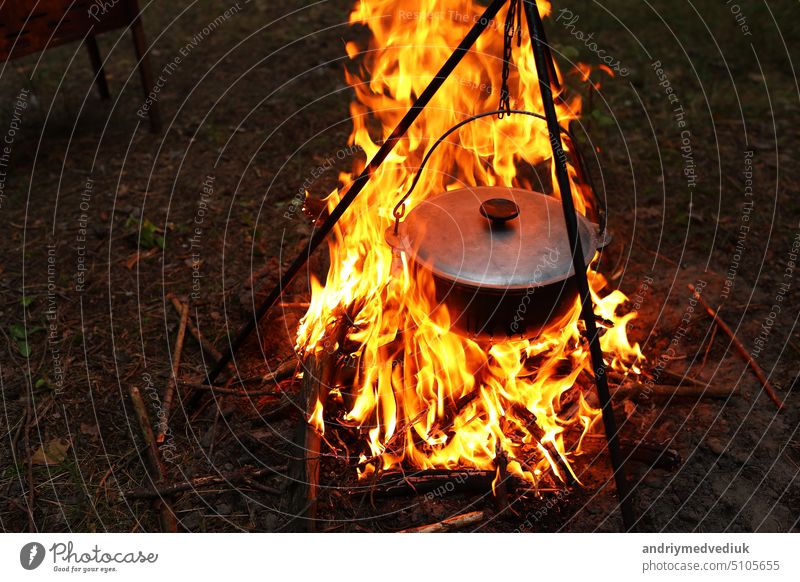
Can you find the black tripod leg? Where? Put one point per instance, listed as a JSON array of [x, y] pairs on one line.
[[359, 183], [535, 28]]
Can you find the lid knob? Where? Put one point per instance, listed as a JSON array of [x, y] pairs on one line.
[[500, 209]]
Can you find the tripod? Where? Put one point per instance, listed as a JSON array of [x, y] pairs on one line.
[[545, 70]]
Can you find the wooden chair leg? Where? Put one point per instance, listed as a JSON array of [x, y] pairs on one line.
[[146, 73], [97, 67]]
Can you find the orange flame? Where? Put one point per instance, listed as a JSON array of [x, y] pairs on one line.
[[425, 396]]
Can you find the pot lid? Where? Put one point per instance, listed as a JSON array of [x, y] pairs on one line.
[[494, 236]]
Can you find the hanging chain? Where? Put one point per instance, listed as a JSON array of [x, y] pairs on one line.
[[513, 26]]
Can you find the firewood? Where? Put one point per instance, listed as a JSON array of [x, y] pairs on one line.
[[318, 373], [501, 485], [294, 305], [449, 524], [436, 481], [638, 390], [304, 467]]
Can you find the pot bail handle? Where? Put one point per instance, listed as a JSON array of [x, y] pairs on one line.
[[400, 208]]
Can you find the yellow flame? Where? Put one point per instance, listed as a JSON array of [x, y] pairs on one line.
[[412, 369]]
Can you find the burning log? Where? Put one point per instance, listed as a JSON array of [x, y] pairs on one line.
[[449, 524], [437, 482], [304, 467], [319, 370], [501, 487]]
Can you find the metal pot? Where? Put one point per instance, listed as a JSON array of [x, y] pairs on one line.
[[500, 257]]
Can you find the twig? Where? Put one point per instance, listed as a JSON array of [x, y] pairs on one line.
[[681, 378], [294, 305], [662, 257], [708, 347], [167, 515], [206, 346], [439, 481], [741, 349], [449, 524], [282, 372], [31, 498], [239, 476], [222, 390], [163, 423]]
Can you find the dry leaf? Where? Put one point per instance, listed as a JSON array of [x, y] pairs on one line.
[[134, 259], [51, 453]]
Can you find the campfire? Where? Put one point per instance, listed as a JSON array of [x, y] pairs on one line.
[[400, 369]]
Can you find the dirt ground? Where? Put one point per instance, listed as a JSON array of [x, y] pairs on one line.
[[103, 221]]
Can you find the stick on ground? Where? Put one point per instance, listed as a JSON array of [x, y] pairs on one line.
[[636, 390], [166, 513], [449, 524], [169, 395], [740, 348], [206, 346]]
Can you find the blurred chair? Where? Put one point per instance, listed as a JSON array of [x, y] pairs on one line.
[[30, 26]]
